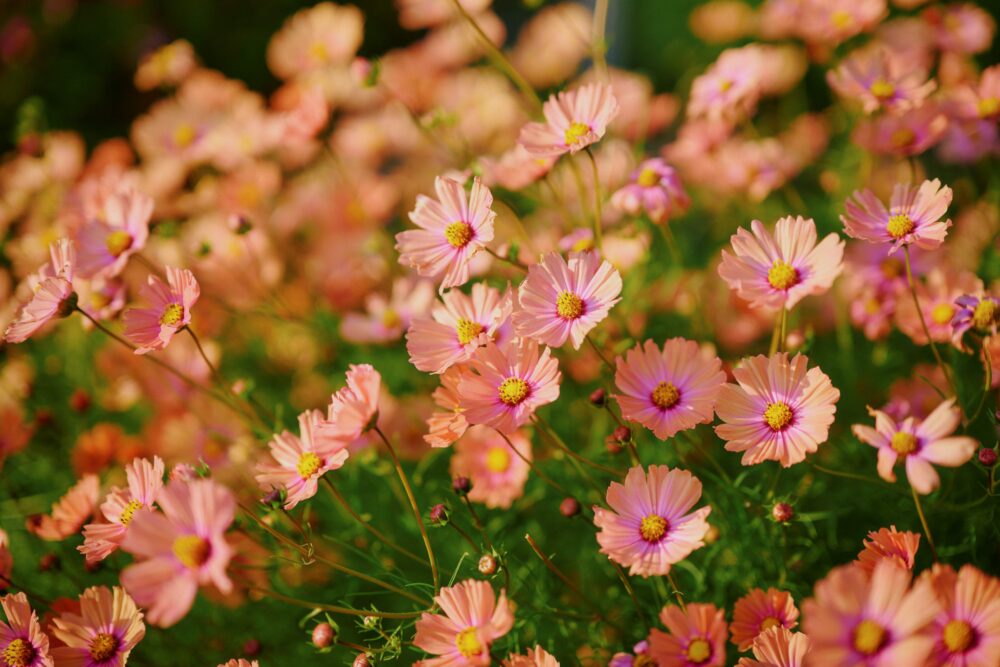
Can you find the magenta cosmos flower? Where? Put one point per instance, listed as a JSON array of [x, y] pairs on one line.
[[888, 544], [919, 444], [879, 78], [778, 647], [573, 121], [453, 228], [779, 410], [650, 526], [473, 619], [505, 387], [759, 611], [179, 550], [670, 390], [103, 634], [777, 272], [562, 300], [52, 294], [857, 620], [106, 242], [354, 408], [914, 216], [697, 637], [654, 188], [966, 632], [497, 474], [153, 328], [22, 642], [145, 481], [299, 462]]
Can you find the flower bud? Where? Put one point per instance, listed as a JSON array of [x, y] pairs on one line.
[[988, 457], [323, 635], [569, 507], [80, 401], [461, 485], [622, 434], [782, 512], [361, 661], [598, 398], [439, 514], [251, 647], [271, 497], [487, 564]]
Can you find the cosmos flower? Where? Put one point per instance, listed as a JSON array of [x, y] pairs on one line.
[[106, 242], [153, 328], [655, 189], [730, 88], [913, 216], [759, 611], [314, 39], [573, 120], [472, 620], [562, 300], [650, 526], [979, 314], [22, 642], [103, 634], [888, 544], [354, 408], [697, 637], [779, 410], [938, 296], [145, 481], [52, 294], [535, 657], [498, 475], [447, 426], [778, 647], [879, 78], [387, 319], [240, 662], [166, 66], [966, 632], [902, 135], [670, 390], [69, 513]]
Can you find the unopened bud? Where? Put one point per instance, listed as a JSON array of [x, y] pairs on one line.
[[988, 457], [271, 497], [439, 514], [461, 485], [569, 507], [361, 661], [598, 398], [251, 647], [80, 400], [323, 635], [622, 434], [487, 564], [782, 512]]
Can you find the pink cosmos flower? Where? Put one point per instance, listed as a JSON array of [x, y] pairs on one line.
[[875, 621], [914, 216], [145, 481], [448, 426], [824, 22], [353, 409], [101, 299], [961, 27], [697, 637], [535, 657], [453, 228], [778, 647], [22, 642], [52, 296], [654, 188], [981, 101], [154, 327], [979, 314], [730, 88], [69, 513], [498, 475], [919, 444], [179, 550], [103, 634], [516, 169], [780, 410], [779, 271], [505, 387], [573, 120], [166, 66], [301, 461], [966, 632], [315, 39], [888, 544], [458, 326], [473, 619], [670, 390], [387, 319], [902, 135], [938, 296], [649, 526], [881, 79], [562, 300], [106, 242], [758, 611], [240, 662]]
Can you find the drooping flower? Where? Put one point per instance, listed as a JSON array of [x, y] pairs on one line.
[[69, 513], [497, 474], [966, 632], [697, 637], [650, 526], [778, 271], [979, 314], [453, 228], [145, 481], [505, 387], [573, 120], [562, 300], [889, 544], [670, 390], [880, 78], [778, 647], [179, 550], [22, 642], [780, 410], [914, 216], [473, 619], [655, 189], [449, 425], [103, 634], [52, 294], [153, 328], [105, 242], [354, 408], [759, 611], [919, 443], [301, 461]]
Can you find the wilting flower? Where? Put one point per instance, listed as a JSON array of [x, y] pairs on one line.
[[153, 328], [315, 39], [966, 632], [779, 271], [473, 619], [573, 120], [888, 544], [448, 426], [52, 295], [780, 410], [758, 611], [105, 243], [919, 444], [778, 647], [873, 620], [978, 314], [22, 642], [353, 409], [914, 216], [670, 390], [562, 300], [650, 526], [145, 481], [697, 637], [535, 657], [453, 228], [69, 513], [881, 78], [103, 634], [498, 474], [654, 188]]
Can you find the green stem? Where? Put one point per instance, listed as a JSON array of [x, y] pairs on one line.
[[554, 438], [545, 478], [677, 590], [923, 522], [598, 217], [512, 262], [923, 323], [597, 350], [988, 384], [333, 608]]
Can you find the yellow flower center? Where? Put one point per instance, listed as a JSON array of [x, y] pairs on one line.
[[103, 647], [985, 315], [768, 623], [958, 636], [118, 242], [988, 106], [665, 395], [129, 511], [468, 643], [725, 85], [903, 137], [892, 268], [569, 306], [942, 313], [841, 19], [184, 135], [319, 52], [468, 331], [653, 528], [643, 660], [778, 415], [648, 178], [782, 275], [868, 637], [576, 132], [899, 225], [498, 459], [458, 234], [699, 651], [904, 443], [513, 390], [172, 315], [882, 89], [391, 319], [308, 464], [19, 653], [583, 244], [192, 551]]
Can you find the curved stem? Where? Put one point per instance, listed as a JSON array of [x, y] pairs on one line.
[[598, 217], [558, 442], [923, 323], [988, 384], [545, 478], [333, 608], [513, 262], [600, 354], [677, 590], [570, 584], [597, 38], [923, 522], [475, 520]]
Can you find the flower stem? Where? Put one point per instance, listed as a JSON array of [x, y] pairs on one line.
[[333, 608], [475, 520], [597, 38], [465, 536], [598, 217], [554, 438], [923, 522], [677, 591], [545, 478], [600, 354], [987, 384], [570, 584], [778, 335], [513, 262], [923, 323]]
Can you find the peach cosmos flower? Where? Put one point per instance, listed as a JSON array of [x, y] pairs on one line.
[[22, 642], [505, 387], [102, 634], [387, 319], [779, 410], [314, 39], [913, 216], [573, 120], [778, 647], [670, 390], [453, 228], [730, 87], [69, 513], [166, 66], [889, 544], [353, 408], [145, 481], [859, 620], [153, 328], [758, 611], [535, 657], [107, 241], [880, 78], [447, 426], [498, 475], [654, 188], [473, 619], [52, 294], [938, 297], [561, 300], [697, 637], [919, 443], [966, 632], [649, 525], [779, 271]]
